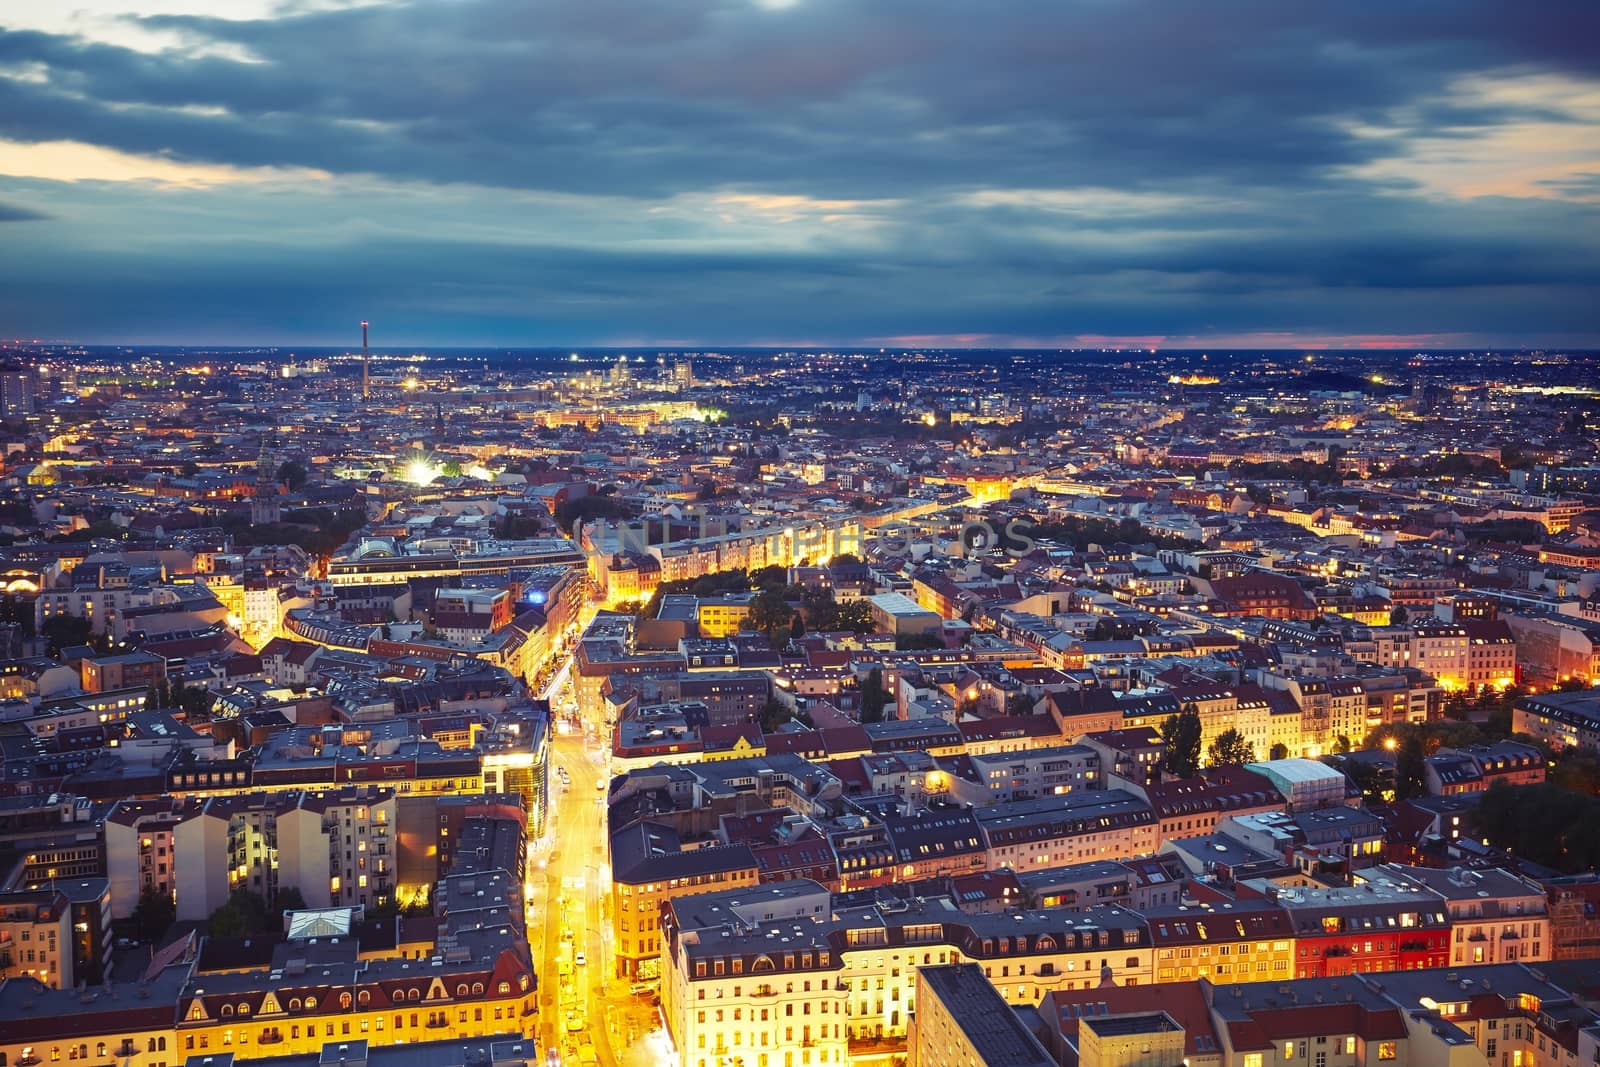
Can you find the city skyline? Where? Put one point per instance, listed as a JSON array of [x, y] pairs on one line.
[[800, 174]]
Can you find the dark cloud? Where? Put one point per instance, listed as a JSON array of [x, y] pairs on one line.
[[17, 213], [1242, 131], [827, 95]]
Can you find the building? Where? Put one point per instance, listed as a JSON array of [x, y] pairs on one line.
[[1007, 776], [140, 850], [962, 1022], [468, 615], [852, 968], [1380, 924], [337, 847], [720, 616], [264, 507], [36, 937], [1496, 916], [1560, 720], [1238, 941], [898, 614], [1501, 1015], [18, 386], [649, 868], [130, 670], [1053, 831]]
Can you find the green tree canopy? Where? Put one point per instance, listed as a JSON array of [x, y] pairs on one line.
[[293, 473], [1229, 749], [244, 914], [1182, 733], [1543, 823], [874, 697], [153, 914]]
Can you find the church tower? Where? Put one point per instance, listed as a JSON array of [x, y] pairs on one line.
[[264, 505]]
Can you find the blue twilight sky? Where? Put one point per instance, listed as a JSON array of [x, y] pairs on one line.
[[1062, 172]]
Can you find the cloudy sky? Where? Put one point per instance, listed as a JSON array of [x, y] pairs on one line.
[[1027, 172]]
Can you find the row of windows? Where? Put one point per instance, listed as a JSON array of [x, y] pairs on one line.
[[758, 1038], [272, 1034], [363, 998]]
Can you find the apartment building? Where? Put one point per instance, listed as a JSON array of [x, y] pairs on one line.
[[842, 981], [962, 1021], [1054, 831], [337, 847], [1495, 916]]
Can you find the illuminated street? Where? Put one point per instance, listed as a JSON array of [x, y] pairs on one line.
[[581, 1005]]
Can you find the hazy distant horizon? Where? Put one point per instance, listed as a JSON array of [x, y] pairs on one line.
[[566, 352]]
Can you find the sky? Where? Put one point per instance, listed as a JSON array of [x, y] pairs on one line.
[[677, 173]]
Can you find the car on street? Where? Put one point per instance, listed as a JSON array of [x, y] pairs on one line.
[[580, 959]]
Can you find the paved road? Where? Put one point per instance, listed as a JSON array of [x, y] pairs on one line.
[[570, 892]]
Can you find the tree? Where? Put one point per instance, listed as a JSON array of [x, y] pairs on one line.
[[855, 616], [1020, 703], [1410, 767], [1576, 771], [571, 513], [1341, 745], [874, 697], [289, 898], [1398, 615], [774, 713], [153, 914], [293, 474], [228, 921], [1543, 823], [771, 614], [1279, 751], [1229, 749], [1181, 733], [1373, 780], [64, 631], [152, 698], [244, 914], [772, 576]]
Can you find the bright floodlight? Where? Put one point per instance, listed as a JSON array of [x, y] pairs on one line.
[[421, 472]]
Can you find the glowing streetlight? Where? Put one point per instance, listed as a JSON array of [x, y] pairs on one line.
[[1390, 743], [420, 472]]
